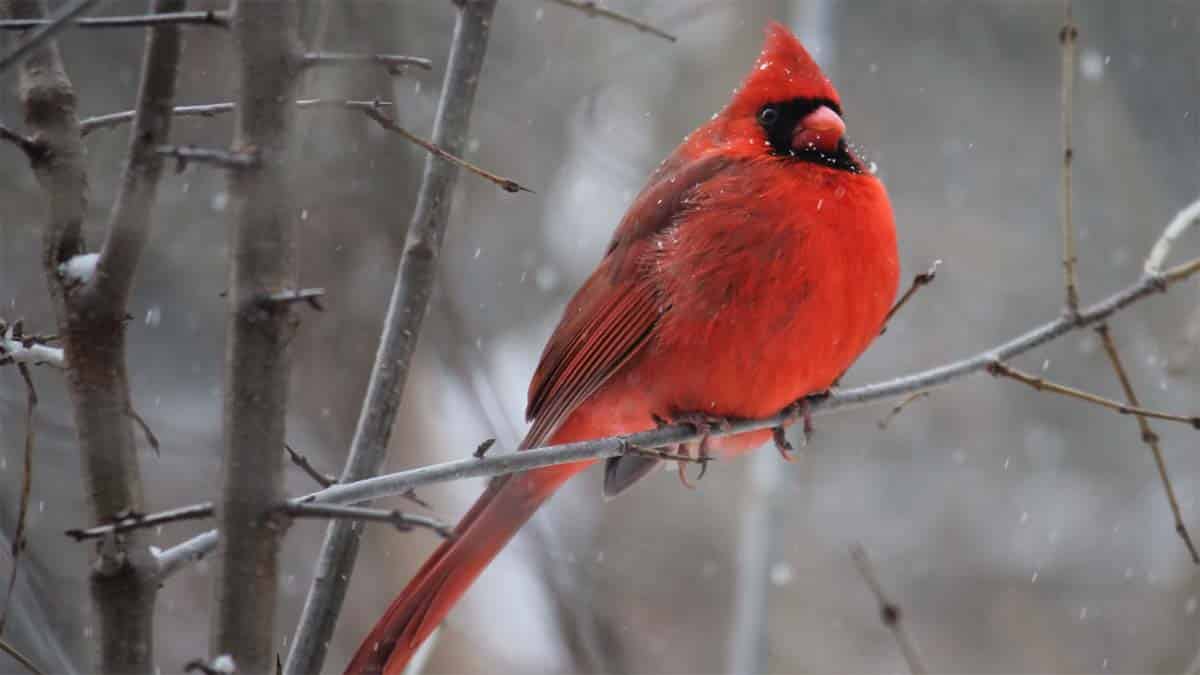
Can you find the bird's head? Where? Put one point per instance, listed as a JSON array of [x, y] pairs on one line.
[[787, 106]]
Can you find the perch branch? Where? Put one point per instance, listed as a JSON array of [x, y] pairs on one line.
[[259, 335], [209, 18], [593, 9], [1068, 37], [1000, 369], [1148, 437], [845, 399], [407, 308], [889, 612]]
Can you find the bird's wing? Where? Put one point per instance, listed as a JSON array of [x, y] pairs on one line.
[[614, 313]]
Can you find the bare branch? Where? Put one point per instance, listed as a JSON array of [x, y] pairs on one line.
[[394, 63], [18, 541], [322, 479], [407, 308], [258, 354], [404, 522], [309, 296], [142, 522], [889, 612], [209, 18], [1148, 437], [225, 159], [90, 124], [1185, 219], [592, 8], [1068, 36], [32, 349], [1001, 369], [19, 657], [45, 31], [129, 221], [451, 156], [919, 281], [122, 581]]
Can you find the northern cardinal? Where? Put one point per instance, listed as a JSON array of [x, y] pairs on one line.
[[755, 266]]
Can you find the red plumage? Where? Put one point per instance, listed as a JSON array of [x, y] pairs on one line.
[[752, 270]]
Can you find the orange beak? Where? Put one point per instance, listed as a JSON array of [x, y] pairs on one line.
[[822, 129]]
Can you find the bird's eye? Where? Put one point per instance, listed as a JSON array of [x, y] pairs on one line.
[[768, 116]]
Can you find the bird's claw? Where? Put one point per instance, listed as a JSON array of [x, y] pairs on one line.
[[798, 410]]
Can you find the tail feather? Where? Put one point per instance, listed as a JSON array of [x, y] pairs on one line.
[[503, 508]]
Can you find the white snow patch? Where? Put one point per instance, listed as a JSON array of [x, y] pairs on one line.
[[80, 268]]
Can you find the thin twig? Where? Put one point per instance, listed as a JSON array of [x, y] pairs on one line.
[[18, 542], [899, 408], [396, 518], [320, 478], [1148, 437], [889, 612], [1001, 369], [46, 31], [19, 657], [225, 159], [923, 279], [209, 18], [1068, 36], [407, 307], [483, 447], [395, 63], [90, 124], [592, 8], [506, 184], [142, 522], [151, 439]]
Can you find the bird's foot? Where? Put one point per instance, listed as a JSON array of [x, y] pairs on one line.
[[800, 409], [698, 451]]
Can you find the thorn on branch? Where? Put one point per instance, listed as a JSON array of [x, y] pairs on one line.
[[593, 9], [404, 522], [322, 479], [923, 279], [225, 159], [483, 448], [889, 612], [310, 296]]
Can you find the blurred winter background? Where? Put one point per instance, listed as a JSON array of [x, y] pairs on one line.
[[1020, 532]]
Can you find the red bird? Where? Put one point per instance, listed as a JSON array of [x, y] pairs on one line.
[[755, 266]]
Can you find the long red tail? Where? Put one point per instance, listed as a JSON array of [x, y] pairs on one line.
[[503, 508]]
